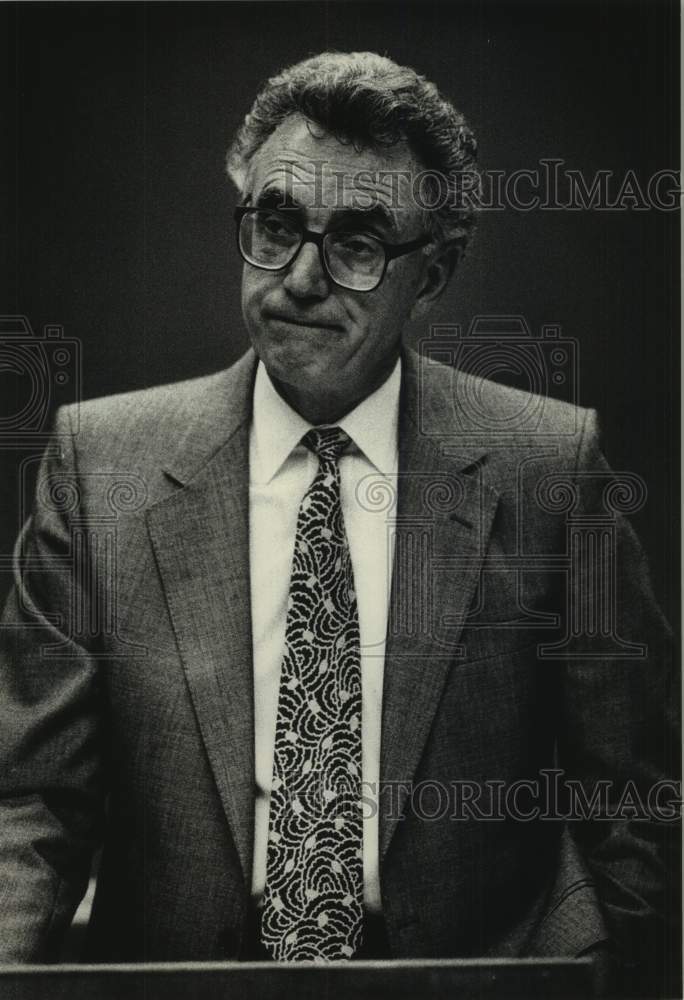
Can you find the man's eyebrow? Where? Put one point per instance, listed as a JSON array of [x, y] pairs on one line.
[[274, 197], [375, 214], [358, 216]]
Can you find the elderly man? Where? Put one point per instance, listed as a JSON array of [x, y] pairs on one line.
[[298, 642]]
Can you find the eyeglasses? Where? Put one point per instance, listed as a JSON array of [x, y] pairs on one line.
[[271, 240]]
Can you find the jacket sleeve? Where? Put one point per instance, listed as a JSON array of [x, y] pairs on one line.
[[619, 725], [51, 787]]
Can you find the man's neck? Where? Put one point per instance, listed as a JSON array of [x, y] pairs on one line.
[[332, 408]]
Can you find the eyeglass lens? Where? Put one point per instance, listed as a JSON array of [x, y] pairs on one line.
[[270, 241]]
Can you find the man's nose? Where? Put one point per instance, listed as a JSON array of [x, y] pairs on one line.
[[305, 277]]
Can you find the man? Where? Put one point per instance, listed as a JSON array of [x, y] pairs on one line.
[[265, 621]]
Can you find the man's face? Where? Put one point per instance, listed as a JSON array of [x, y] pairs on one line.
[[325, 347]]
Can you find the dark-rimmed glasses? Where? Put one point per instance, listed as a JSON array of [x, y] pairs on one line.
[[271, 240]]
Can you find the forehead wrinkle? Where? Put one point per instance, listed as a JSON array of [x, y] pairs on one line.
[[285, 169], [380, 192], [288, 178], [283, 163], [378, 179], [326, 177], [373, 213]]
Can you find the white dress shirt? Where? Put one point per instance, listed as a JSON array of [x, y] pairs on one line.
[[280, 472]]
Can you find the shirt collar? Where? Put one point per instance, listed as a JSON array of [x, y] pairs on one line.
[[277, 429]]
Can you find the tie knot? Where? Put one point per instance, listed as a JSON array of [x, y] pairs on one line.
[[326, 442]]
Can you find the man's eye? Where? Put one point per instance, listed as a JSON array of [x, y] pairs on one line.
[[357, 245], [275, 225]]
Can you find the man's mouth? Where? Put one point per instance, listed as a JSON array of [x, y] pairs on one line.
[[307, 323]]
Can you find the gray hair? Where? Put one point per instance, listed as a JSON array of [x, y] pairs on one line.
[[368, 100]]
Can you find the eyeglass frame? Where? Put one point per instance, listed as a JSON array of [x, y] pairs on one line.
[[390, 250]]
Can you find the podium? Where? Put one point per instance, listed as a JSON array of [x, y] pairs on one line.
[[498, 979]]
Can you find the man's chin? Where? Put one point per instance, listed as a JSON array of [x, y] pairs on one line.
[[299, 380], [311, 398], [294, 362]]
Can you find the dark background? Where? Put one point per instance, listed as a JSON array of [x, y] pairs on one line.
[[117, 213]]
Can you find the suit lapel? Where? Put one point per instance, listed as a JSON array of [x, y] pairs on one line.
[[201, 542], [444, 512]]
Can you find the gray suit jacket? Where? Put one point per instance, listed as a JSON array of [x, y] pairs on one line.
[[126, 707]]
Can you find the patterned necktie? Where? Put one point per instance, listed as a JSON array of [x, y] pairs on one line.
[[314, 867]]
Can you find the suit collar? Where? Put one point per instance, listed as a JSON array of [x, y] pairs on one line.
[[277, 429], [430, 415], [224, 408], [426, 409]]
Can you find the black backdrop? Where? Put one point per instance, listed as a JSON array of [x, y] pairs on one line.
[[117, 214]]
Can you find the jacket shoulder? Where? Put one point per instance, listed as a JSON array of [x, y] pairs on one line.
[[468, 404], [174, 401], [150, 426]]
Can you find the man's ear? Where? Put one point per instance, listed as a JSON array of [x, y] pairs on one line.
[[438, 270]]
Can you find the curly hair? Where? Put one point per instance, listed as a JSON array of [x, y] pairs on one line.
[[368, 100]]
